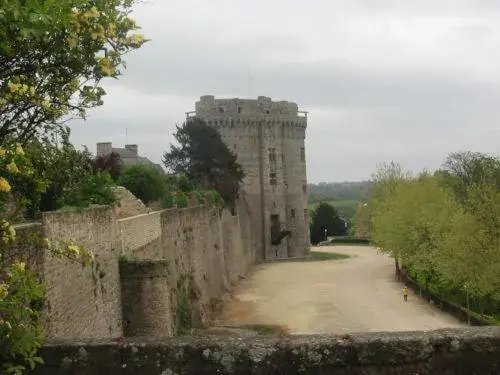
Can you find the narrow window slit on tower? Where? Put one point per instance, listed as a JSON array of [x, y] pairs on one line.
[[272, 155], [272, 178]]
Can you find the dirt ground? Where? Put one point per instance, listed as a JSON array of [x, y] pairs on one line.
[[336, 296]]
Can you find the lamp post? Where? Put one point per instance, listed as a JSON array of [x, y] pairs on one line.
[[326, 234]]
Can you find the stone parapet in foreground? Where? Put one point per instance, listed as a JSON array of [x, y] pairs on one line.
[[453, 351]]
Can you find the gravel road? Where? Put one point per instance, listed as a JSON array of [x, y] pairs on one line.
[[357, 294]]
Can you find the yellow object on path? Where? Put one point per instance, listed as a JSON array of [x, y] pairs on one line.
[[405, 291]]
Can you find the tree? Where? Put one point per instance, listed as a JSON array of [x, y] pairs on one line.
[[444, 227], [57, 166], [386, 180], [362, 227], [326, 217], [465, 168], [471, 254], [144, 181], [111, 163], [205, 159], [53, 56], [94, 189]]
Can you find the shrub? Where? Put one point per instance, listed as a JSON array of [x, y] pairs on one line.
[[146, 182], [168, 200], [56, 166], [200, 198], [213, 198], [21, 293], [21, 332], [180, 199], [95, 189], [183, 183]]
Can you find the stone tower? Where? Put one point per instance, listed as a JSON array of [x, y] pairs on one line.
[[269, 140]]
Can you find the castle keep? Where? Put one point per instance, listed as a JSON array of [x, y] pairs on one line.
[[269, 140]]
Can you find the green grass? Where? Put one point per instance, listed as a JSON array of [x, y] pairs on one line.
[[340, 243], [320, 255]]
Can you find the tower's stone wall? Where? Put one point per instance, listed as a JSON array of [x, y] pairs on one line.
[[145, 293], [269, 139]]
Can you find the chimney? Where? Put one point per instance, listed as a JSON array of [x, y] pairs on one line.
[[133, 149], [104, 148]]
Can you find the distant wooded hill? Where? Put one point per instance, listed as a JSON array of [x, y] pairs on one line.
[[341, 195], [349, 190]]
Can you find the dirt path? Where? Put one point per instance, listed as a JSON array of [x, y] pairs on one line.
[[337, 296]]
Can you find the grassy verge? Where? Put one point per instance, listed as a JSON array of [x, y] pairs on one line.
[[320, 255], [335, 243]]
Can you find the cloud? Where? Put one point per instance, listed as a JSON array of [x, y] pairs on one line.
[[385, 80]]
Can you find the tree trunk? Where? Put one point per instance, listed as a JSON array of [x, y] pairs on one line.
[[398, 270]]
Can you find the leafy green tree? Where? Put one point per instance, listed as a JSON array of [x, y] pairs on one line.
[[144, 181], [57, 166], [412, 223], [361, 222], [462, 169], [326, 217], [205, 159], [444, 227], [21, 293], [53, 56], [386, 179], [470, 254]]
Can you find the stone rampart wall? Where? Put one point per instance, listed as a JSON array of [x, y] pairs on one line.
[[203, 251], [445, 352], [83, 302], [206, 250]]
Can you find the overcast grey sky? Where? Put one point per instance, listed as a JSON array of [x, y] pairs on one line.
[[383, 80]]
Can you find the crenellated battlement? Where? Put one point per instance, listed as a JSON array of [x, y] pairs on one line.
[[262, 107]]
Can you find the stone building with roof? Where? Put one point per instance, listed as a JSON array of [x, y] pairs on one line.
[[129, 155]]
